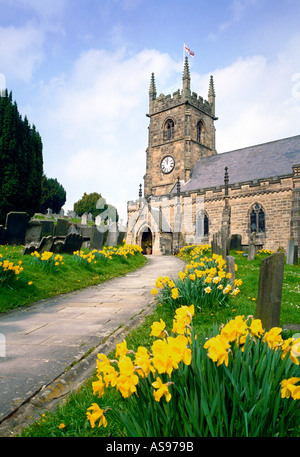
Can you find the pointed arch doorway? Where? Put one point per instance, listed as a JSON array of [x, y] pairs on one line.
[[147, 241]]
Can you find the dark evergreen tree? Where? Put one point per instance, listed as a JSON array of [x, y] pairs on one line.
[[53, 195], [21, 161]]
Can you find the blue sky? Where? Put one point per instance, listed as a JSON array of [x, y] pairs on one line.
[[80, 70]]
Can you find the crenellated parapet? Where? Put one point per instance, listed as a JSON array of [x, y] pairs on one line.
[[166, 102], [163, 102]]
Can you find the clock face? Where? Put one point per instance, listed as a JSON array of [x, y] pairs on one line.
[[167, 164]]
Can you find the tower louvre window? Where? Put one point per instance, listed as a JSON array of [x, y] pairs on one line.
[[169, 130], [200, 132]]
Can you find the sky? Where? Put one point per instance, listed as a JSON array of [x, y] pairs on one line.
[[80, 71]]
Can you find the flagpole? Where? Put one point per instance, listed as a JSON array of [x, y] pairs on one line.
[[183, 51]]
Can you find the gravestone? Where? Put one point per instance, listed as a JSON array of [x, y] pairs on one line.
[[62, 227], [121, 237], [215, 247], [296, 254], [236, 242], [252, 249], [84, 219], [33, 232], [230, 267], [225, 241], [270, 290], [71, 243], [290, 252], [47, 228], [98, 220], [16, 224], [98, 238], [112, 238], [45, 244]]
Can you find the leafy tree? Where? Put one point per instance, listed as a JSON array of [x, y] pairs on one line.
[[21, 161], [95, 204], [53, 195]]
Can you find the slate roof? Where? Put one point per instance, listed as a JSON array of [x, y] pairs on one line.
[[266, 160]]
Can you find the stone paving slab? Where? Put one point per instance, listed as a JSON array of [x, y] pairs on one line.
[[43, 340]]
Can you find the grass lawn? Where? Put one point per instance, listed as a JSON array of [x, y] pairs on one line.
[[41, 279], [69, 420]]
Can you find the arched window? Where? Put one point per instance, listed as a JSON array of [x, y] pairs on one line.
[[200, 132], [169, 130], [257, 219]]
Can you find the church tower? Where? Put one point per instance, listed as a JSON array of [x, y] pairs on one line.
[[181, 131]]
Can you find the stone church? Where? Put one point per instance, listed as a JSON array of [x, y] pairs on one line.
[[192, 194]]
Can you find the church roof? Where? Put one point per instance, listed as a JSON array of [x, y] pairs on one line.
[[267, 160]]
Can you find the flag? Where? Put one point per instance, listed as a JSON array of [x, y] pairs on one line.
[[191, 53]]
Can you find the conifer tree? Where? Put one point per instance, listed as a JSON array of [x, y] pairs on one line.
[[21, 161]]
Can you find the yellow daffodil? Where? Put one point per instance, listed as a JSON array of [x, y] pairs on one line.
[[162, 390], [175, 293], [157, 329], [96, 414]]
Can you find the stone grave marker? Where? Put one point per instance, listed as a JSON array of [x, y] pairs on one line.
[[296, 260], [84, 219], [16, 225], [97, 238], [33, 232], [62, 227], [252, 249], [225, 241], [47, 228], [230, 266], [270, 290], [236, 242], [46, 244], [71, 243], [112, 238], [290, 252]]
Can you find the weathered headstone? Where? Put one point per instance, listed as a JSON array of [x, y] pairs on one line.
[[230, 266], [225, 241], [61, 227], [121, 237], [98, 220], [16, 224], [33, 231], [236, 242], [296, 260], [84, 219], [112, 238], [47, 228], [215, 246], [72, 243], [46, 244], [290, 252], [252, 248], [97, 238], [270, 290]]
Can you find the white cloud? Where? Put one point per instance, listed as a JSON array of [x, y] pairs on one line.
[[21, 51], [95, 129], [256, 99]]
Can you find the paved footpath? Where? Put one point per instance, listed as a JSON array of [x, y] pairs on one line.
[[51, 346]]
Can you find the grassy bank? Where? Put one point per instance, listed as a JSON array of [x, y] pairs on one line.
[[29, 278], [70, 418]]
